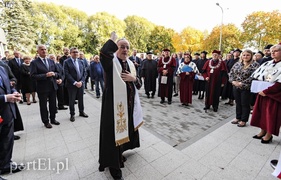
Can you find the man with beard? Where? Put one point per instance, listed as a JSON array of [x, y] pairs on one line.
[[267, 54]]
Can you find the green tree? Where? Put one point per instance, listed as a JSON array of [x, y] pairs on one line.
[[59, 26], [230, 39], [17, 24], [261, 28], [102, 24], [138, 31], [160, 38]]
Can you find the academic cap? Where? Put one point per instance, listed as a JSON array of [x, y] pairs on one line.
[[166, 49], [237, 49], [260, 53], [204, 52], [268, 46], [216, 51]]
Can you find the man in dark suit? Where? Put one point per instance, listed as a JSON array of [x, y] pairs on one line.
[[60, 82], [86, 67], [15, 67], [44, 71], [18, 125], [136, 60], [75, 78], [5, 59], [8, 96], [61, 60]]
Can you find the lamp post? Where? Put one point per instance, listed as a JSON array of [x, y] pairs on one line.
[[221, 25]]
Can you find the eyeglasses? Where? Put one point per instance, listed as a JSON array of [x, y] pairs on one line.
[[74, 52], [123, 47]]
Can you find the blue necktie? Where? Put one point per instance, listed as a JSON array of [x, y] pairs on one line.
[[76, 64]]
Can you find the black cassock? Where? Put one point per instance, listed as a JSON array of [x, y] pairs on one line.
[[150, 74], [110, 155], [201, 84]]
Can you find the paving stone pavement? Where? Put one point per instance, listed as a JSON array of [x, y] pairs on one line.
[[176, 143], [179, 125]]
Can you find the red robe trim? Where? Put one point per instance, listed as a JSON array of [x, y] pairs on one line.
[[267, 110]]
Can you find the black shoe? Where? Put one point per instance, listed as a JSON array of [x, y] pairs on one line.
[[21, 102], [215, 109], [176, 94], [273, 163], [258, 137], [162, 101], [55, 122], [83, 114], [205, 108], [48, 125], [12, 169], [98, 97], [16, 137], [169, 102], [266, 141], [148, 96], [72, 118], [62, 108]]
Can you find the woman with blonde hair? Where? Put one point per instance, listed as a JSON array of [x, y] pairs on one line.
[[240, 77], [28, 85]]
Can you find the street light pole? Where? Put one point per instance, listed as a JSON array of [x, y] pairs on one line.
[[221, 26]]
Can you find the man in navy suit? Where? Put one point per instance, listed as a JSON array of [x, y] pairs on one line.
[[8, 96], [15, 67], [75, 79], [44, 71]]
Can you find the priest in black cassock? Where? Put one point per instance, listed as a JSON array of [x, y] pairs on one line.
[[201, 83], [121, 113], [149, 73]]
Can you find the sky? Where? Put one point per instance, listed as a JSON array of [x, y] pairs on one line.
[[177, 14]]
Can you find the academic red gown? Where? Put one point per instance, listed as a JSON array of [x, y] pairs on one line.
[[186, 87], [216, 79], [267, 110], [166, 90]]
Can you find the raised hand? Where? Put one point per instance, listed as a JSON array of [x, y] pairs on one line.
[[113, 36]]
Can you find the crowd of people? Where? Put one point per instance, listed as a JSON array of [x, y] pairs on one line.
[[60, 81]]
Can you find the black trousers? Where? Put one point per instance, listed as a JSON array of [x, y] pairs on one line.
[[43, 98], [73, 93], [60, 96], [242, 101], [6, 144]]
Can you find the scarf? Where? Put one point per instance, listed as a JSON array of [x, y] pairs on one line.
[[120, 109]]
